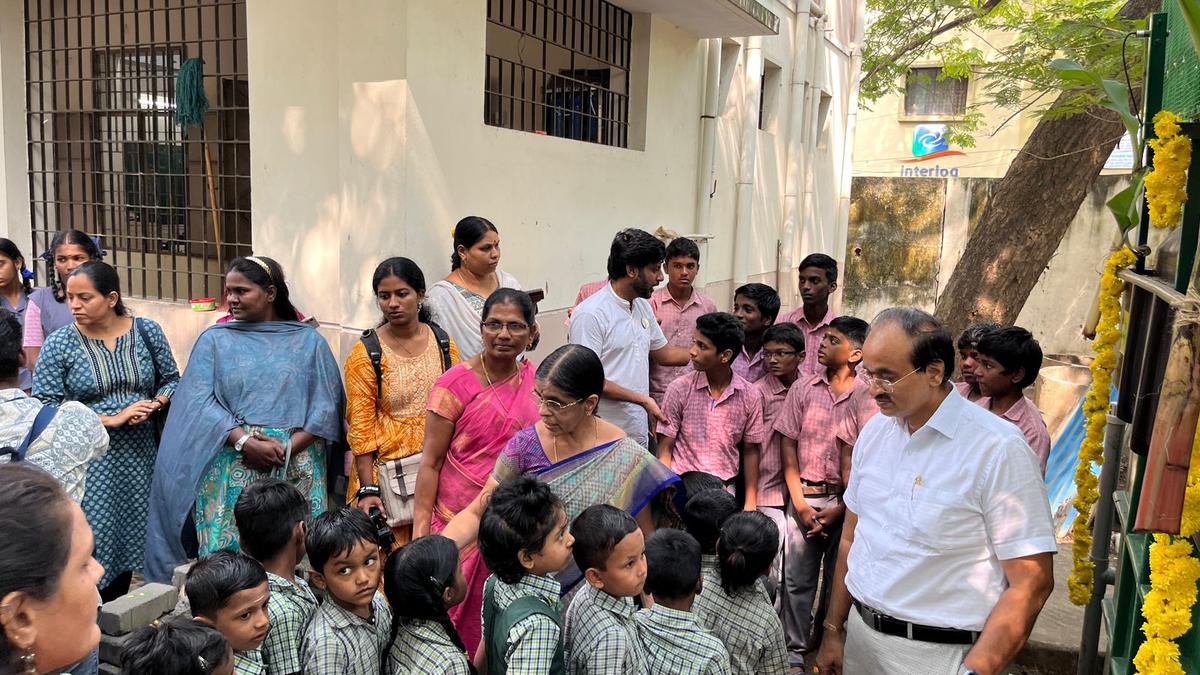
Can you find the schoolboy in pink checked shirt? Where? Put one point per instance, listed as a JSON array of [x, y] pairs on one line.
[[677, 306], [756, 306], [710, 411], [1009, 360], [818, 408], [818, 280]]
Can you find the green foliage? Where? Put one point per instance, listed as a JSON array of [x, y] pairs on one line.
[[1126, 205], [1013, 74]]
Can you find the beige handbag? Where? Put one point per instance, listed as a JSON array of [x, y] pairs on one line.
[[397, 488]]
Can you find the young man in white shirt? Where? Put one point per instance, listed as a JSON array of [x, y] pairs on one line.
[[618, 324], [945, 559]]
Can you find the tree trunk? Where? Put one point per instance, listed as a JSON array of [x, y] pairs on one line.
[[1028, 213]]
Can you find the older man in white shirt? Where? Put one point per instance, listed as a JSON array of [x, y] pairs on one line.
[[945, 560]]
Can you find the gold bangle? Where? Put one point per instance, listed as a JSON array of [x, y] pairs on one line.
[[830, 627]]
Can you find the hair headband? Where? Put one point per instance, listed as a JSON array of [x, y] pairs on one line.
[[258, 261]]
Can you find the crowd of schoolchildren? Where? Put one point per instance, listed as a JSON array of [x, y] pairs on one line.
[[760, 426], [752, 415]]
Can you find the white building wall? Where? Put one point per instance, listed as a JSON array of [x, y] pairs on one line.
[[368, 140]]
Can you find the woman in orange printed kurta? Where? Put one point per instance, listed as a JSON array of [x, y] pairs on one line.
[[392, 426]]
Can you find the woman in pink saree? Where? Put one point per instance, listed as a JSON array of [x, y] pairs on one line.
[[473, 411]]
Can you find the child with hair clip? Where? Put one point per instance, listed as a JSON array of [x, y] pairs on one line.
[[177, 646], [739, 611], [422, 581]]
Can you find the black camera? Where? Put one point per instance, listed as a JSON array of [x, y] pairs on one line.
[[383, 532]]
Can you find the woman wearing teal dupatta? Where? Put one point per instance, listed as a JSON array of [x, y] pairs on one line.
[[261, 395], [583, 458]]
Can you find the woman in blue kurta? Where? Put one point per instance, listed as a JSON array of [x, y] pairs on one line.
[[262, 396], [121, 368]]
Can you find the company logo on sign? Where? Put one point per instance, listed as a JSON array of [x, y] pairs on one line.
[[930, 142]]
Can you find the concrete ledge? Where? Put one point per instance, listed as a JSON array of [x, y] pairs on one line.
[[138, 608]]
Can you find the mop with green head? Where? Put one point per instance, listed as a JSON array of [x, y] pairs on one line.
[[190, 106]]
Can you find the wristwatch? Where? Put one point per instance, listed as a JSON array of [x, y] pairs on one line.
[[241, 442]]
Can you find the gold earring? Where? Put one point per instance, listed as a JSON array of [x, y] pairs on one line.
[[27, 663]]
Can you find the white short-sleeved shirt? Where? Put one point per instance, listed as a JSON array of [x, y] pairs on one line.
[[937, 512], [623, 334]]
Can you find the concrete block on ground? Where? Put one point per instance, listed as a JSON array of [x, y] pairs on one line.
[[139, 608], [180, 574], [111, 647]]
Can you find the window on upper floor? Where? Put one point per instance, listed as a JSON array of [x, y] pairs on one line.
[[928, 92], [559, 68]]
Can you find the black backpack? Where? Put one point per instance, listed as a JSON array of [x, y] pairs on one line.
[[370, 340]]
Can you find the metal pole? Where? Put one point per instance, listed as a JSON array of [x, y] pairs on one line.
[[1101, 536]]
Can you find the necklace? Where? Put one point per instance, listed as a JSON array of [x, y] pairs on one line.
[[488, 376], [554, 442], [399, 342]]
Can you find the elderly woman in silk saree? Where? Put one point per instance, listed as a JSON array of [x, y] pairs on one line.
[[473, 411], [261, 396], [583, 458]]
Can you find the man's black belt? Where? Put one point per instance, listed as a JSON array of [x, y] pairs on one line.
[[914, 631]]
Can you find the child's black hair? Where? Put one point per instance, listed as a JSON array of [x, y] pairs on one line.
[[335, 532], [822, 261], [748, 544], [854, 328], [520, 516], [695, 482], [178, 646], [763, 296], [786, 333], [266, 514], [722, 329], [682, 247], [1013, 348], [704, 514], [597, 531], [969, 338], [216, 577], [415, 578], [672, 564]]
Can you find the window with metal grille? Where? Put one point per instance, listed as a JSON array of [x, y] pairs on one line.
[[560, 68], [928, 92], [170, 204]]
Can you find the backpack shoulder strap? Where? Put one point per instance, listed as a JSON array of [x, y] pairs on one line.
[[44, 416], [370, 340], [443, 340], [140, 325], [521, 609]]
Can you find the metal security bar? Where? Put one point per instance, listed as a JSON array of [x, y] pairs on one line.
[[560, 68], [105, 153]]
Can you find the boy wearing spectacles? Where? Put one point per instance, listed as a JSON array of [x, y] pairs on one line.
[[819, 423], [783, 354]]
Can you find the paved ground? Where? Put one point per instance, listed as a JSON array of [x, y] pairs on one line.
[[1054, 646]]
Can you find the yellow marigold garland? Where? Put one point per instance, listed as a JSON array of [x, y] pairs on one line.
[[1168, 606], [1095, 409], [1166, 184]]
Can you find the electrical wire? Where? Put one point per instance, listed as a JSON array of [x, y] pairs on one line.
[[1137, 110]]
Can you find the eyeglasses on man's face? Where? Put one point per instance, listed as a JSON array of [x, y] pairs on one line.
[[771, 355], [887, 386]]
